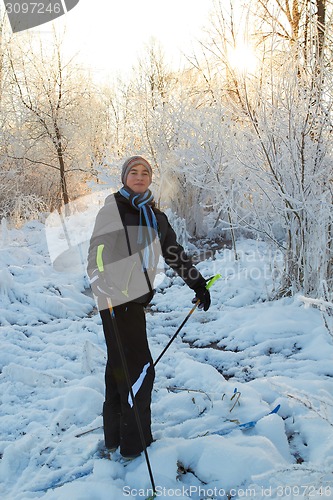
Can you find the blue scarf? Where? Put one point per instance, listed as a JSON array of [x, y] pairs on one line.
[[142, 203]]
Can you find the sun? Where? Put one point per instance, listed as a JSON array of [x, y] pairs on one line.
[[242, 59]]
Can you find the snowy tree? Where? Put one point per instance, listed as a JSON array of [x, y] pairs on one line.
[[56, 118], [153, 95], [294, 131], [280, 112], [8, 171]]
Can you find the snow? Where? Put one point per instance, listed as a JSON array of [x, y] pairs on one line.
[[234, 363]]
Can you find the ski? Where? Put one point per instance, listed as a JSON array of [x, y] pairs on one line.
[[243, 427], [252, 423], [113, 455]]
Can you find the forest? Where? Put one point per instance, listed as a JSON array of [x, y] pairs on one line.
[[240, 138]]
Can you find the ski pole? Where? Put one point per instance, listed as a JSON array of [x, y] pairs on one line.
[[210, 283], [88, 431], [135, 407]]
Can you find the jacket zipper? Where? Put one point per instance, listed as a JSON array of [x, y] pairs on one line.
[[125, 292]]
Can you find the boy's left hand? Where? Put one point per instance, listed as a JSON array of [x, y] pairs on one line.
[[202, 294]]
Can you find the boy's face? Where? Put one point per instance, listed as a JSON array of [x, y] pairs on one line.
[[138, 179]]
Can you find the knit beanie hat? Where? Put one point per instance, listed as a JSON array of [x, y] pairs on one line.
[[132, 162]]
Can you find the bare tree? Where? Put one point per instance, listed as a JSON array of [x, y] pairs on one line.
[[55, 100]]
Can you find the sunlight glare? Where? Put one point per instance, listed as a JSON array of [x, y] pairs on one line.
[[242, 59]]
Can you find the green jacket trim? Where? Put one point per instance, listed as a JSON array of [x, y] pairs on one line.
[[99, 258]]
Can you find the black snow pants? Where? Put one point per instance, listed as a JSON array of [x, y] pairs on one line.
[[120, 426]]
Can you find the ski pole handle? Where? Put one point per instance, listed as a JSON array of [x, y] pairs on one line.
[[209, 284], [212, 281]]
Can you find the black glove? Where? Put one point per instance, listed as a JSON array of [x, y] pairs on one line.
[[202, 294], [99, 286]]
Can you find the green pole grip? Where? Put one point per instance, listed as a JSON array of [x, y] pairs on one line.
[[212, 280]]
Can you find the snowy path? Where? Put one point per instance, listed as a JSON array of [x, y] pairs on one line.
[[52, 366]]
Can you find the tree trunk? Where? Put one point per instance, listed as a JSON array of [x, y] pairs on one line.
[[63, 183], [321, 24]]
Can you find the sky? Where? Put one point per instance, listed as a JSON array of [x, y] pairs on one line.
[[109, 35]]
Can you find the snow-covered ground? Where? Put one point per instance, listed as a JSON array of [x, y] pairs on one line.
[[52, 361]]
